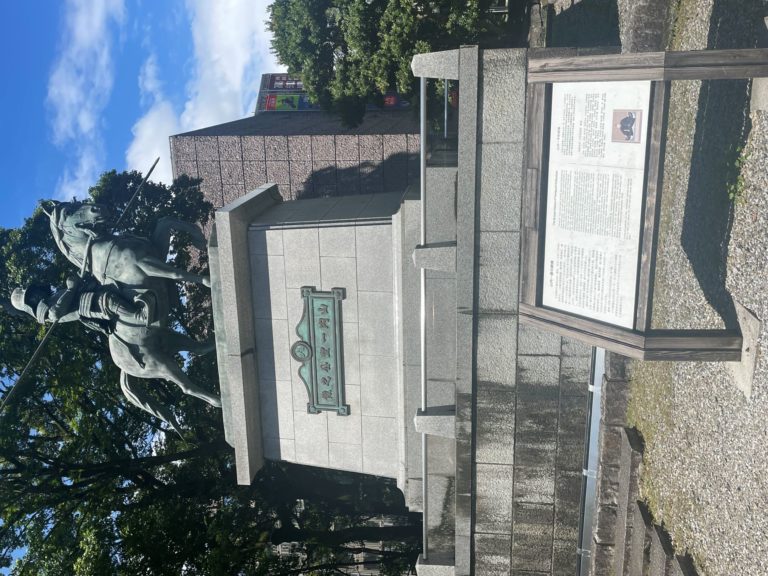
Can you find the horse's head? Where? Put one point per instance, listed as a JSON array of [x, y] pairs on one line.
[[73, 223]]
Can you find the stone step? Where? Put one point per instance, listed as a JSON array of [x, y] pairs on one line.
[[660, 558], [638, 535], [635, 528]]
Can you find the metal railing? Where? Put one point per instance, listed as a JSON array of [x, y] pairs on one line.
[[423, 305], [591, 460]]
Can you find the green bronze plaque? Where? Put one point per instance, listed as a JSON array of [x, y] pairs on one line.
[[320, 350]]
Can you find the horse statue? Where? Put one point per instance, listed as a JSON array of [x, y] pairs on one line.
[[133, 298]]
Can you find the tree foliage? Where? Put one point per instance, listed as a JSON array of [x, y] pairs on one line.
[[91, 485], [350, 52]]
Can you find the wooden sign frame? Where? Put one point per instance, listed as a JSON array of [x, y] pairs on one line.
[[642, 341]]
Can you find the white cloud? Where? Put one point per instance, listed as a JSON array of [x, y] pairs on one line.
[[150, 141], [79, 88], [231, 51]]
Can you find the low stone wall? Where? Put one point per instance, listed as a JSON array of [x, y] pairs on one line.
[[644, 25]]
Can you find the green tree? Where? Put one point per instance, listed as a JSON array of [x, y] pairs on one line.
[[350, 52], [89, 484]]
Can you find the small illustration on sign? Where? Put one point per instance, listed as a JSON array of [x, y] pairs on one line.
[[626, 124]]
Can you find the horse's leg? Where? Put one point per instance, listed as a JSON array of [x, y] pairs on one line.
[[161, 237], [154, 267], [176, 342], [177, 376]]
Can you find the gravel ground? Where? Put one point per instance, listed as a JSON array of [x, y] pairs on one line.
[[706, 463]]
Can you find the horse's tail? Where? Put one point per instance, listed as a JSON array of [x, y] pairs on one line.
[[137, 396]]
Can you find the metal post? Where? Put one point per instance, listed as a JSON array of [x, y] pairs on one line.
[[423, 311], [445, 109]]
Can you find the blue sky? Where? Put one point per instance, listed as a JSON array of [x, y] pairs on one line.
[[92, 85]]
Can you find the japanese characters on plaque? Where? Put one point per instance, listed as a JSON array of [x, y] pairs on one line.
[[320, 350]]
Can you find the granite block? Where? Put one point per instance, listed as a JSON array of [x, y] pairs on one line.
[[371, 177], [279, 172], [395, 144], [395, 175], [207, 148], [532, 452], [295, 307], [570, 454], [532, 547], [499, 268], [337, 241], [232, 172], [533, 514], [273, 349], [188, 167], [492, 554], [347, 429], [230, 149], [414, 144], [183, 148], [351, 353], [534, 485], [345, 456], [276, 148], [348, 177], [442, 64], [493, 498], [371, 147], [268, 286], [324, 177], [495, 433], [232, 192], [300, 148], [255, 174], [253, 148], [374, 258], [347, 148], [341, 273], [567, 505], [574, 376], [276, 406], [502, 95], [376, 323], [534, 341], [311, 434], [265, 241], [573, 347], [501, 186], [210, 172], [302, 257], [537, 417], [378, 383], [323, 148], [380, 446], [605, 532], [564, 558], [280, 449], [496, 348], [538, 375], [298, 388], [573, 417], [614, 402], [301, 173]]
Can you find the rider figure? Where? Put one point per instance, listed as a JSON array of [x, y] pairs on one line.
[[94, 305]]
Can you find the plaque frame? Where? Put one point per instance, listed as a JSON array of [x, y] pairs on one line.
[[546, 67], [320, 350]]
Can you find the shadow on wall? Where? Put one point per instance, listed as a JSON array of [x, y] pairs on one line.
[[722, 126], [584, 24], [365, 177]]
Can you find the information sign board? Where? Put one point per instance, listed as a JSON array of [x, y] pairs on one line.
[[597, 157]]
